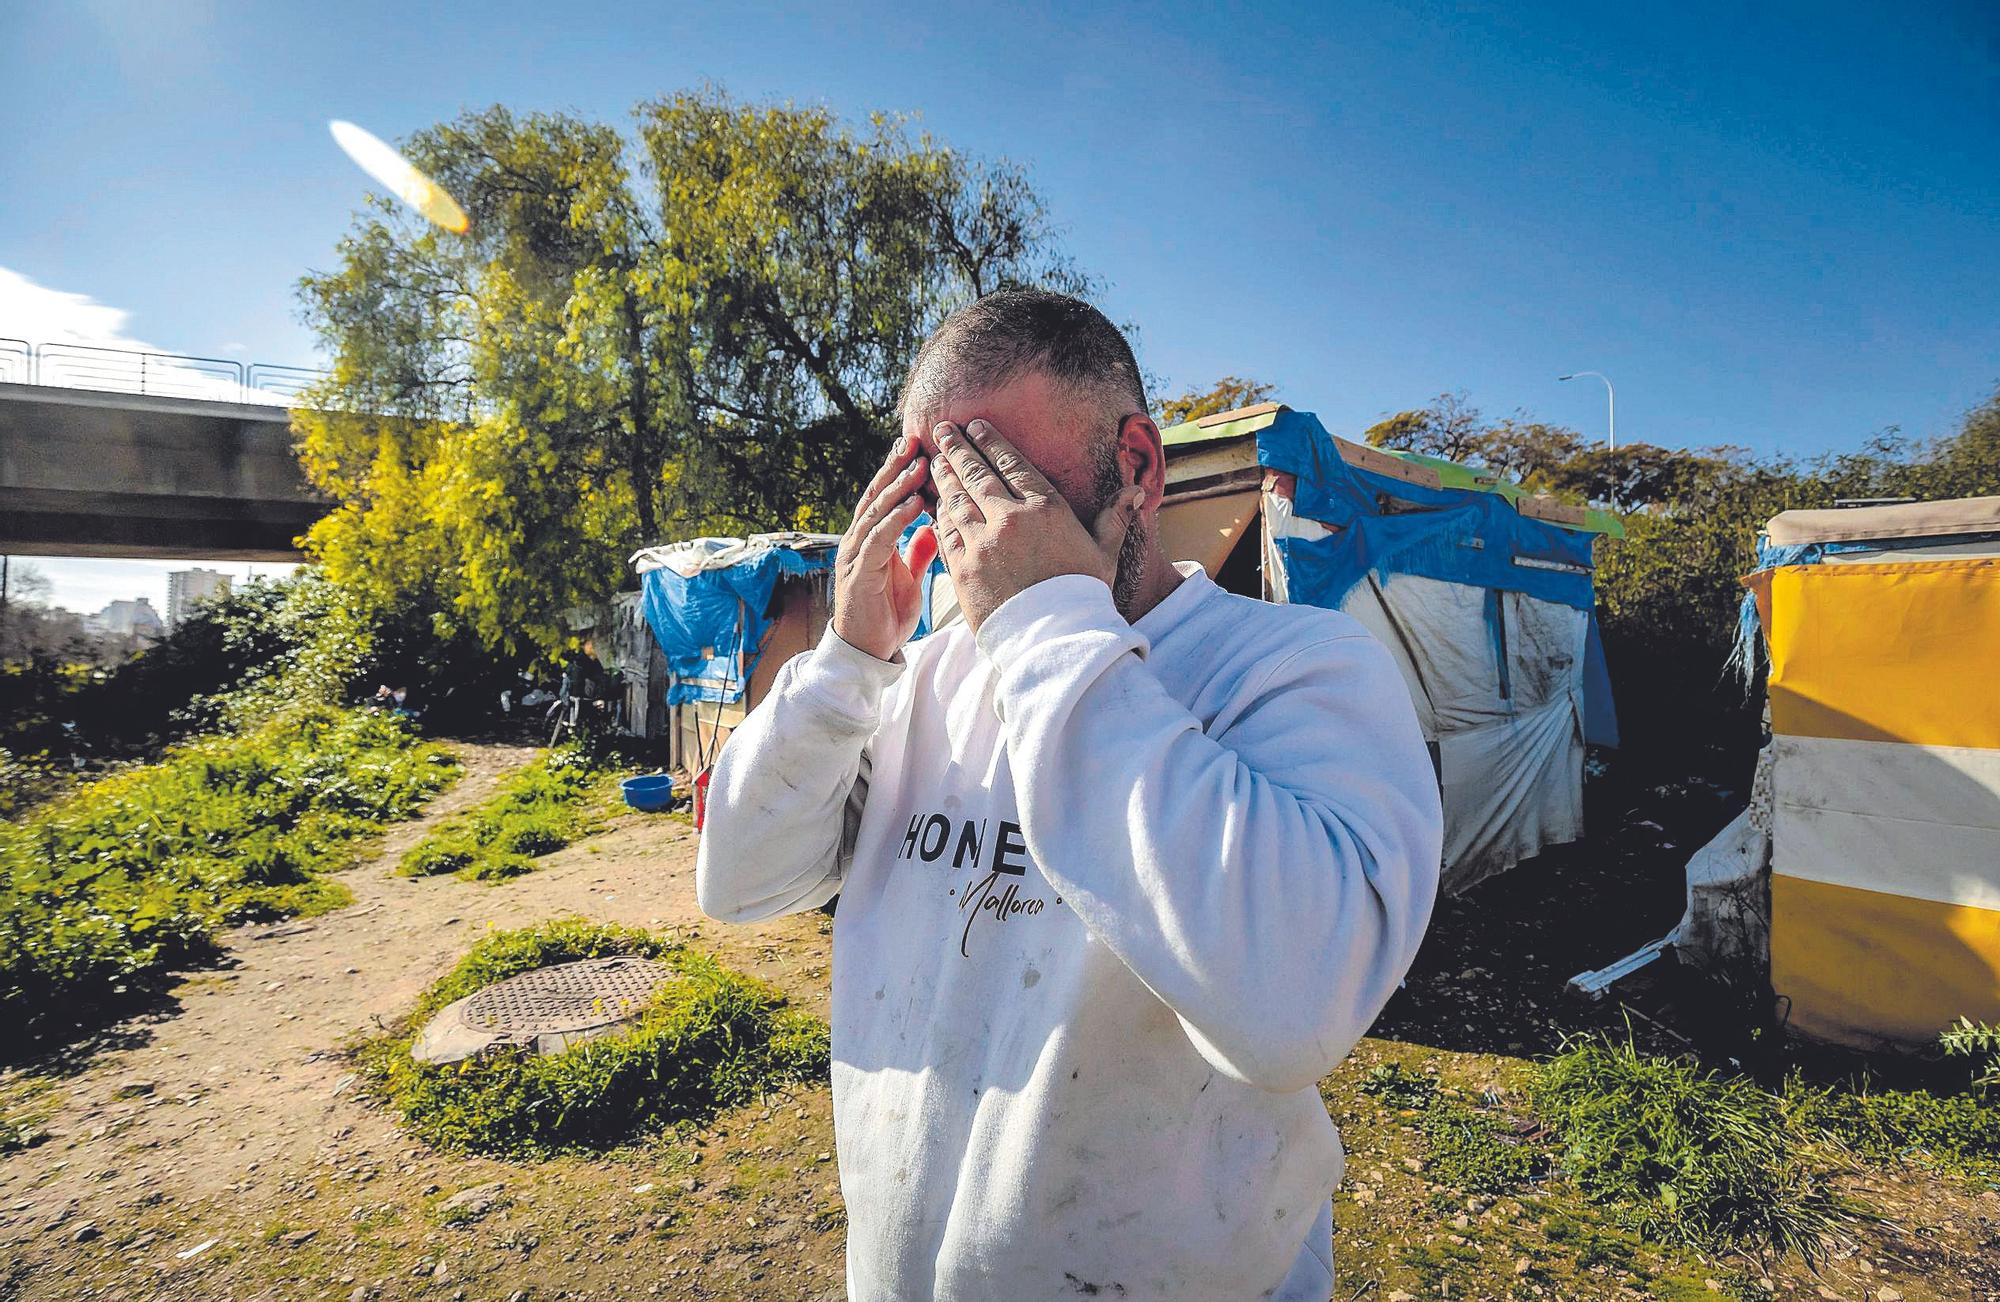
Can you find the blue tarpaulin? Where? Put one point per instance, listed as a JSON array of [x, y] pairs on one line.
[[711, 625], [1384, 526], [1390, 526]]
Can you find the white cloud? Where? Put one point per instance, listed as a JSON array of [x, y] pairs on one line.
[[63, 326]]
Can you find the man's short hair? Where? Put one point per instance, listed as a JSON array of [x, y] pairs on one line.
[[1012, 332]]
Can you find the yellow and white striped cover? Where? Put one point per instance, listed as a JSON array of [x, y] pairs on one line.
[[1885, 861]]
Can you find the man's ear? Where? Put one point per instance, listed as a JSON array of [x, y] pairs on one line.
[[1142, 456]]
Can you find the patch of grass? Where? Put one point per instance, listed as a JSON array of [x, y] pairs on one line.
[[549, 803], [1398, 1087], [1687, 1156], [26, 1103], [711, 1038], [1954, 1132], [1465, 1148], [106, 890], [1471, 1150]]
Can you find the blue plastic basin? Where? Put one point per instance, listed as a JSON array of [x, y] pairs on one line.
[[652, 792]]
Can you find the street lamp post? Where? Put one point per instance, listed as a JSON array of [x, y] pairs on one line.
[[1610, 401]]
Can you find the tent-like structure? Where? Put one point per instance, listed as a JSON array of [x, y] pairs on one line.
[[1866, 871], [727, 613], [1480, 591]]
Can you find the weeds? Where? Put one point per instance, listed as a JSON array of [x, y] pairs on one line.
[[1689, 1157], [1954, 1132], [537, 811], [710, 1039], [1471, 1150], [1465, 1149], [1979, 1042], [106, 890]]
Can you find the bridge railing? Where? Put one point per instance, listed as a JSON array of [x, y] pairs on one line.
[[17, 361], [169, 375]]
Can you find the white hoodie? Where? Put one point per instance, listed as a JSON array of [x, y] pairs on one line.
[[1113, 898]]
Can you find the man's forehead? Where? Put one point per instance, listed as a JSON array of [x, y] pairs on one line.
[[1028, 408]]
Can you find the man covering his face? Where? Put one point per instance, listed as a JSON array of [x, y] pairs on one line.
[[1126, 863]]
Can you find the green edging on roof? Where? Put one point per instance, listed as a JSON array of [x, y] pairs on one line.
[[1177, 435], [1453, 475]]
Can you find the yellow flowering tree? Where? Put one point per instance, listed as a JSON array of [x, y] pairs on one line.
[[698, 327]]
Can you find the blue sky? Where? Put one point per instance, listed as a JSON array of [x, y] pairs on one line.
[[1774, 225]]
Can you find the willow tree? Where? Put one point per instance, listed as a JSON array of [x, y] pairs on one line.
[[697, 328]]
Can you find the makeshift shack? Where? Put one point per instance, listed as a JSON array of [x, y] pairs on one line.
[[727, 613], [1480, 591], [1866, 870]]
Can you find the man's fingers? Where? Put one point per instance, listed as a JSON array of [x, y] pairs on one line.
[[1019, 473], [974, 471], [881, 537], [1116, 520], [955, 501], [900, 454], [923, 550], [902, 485]]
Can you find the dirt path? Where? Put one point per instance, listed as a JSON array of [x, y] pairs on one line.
[[236, 1119]]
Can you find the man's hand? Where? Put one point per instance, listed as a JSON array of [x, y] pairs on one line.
[[877, 595], [1004, 528]]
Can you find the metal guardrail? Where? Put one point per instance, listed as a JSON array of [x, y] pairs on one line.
[[169, 375], [17, 361]]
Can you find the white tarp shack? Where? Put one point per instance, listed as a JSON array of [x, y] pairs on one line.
[[1481, 592], [1865, 875]]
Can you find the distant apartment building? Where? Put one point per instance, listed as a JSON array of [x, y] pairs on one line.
[[186, 587], [129, 619]]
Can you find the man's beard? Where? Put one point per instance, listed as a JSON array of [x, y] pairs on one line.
[[1133, 551]]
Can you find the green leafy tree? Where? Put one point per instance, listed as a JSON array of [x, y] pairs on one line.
[[699, 329], [1226, 394], [1529, 452], [1450, 427]]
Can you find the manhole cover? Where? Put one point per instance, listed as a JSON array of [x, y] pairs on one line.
[[564, 999], [545, 1010]]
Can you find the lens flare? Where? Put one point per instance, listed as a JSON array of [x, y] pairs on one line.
[[390, 168]]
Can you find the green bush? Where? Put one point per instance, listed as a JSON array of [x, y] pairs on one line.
[[710, 1039], [539, 810], [1669, 591], [1687, 1156], [106, 890]]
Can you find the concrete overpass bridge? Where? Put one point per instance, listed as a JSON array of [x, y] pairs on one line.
[[106, 452]]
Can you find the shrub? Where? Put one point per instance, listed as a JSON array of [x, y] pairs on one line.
[[1689, 1157], [104, 891], [537, 811], [710, 1038]]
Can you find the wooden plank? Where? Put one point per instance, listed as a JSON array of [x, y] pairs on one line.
[[1363, 457], [1241, 413], [1547, 508]]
